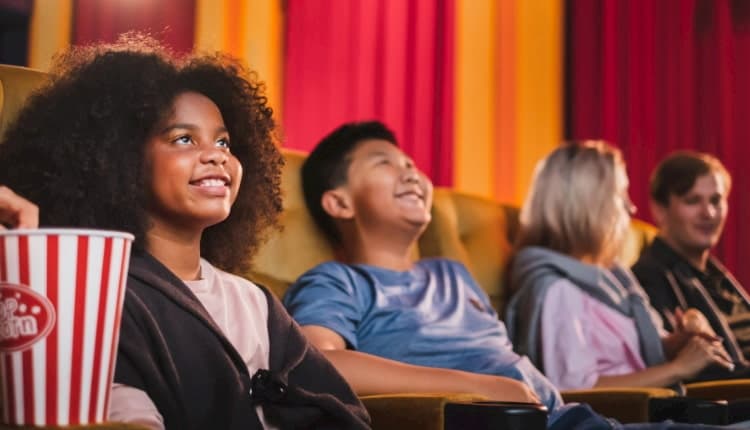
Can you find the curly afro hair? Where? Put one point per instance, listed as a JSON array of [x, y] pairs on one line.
[[77, 148]]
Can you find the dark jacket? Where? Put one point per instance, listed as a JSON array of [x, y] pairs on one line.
[[671, 282], [171, 349]]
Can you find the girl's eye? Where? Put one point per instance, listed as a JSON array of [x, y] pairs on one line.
[[183, 140], [223, 143]]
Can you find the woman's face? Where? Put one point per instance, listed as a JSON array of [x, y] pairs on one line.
[[194, 176], [624, 207]]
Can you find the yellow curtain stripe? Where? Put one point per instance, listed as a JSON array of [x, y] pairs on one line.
[[209, 25], [539, 85], [49, 32], [250, 30], [508, 93], [264, 29]]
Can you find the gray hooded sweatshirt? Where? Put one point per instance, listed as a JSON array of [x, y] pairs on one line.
[[535, 269]]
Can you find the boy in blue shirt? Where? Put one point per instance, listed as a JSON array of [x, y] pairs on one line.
[[373, 203]]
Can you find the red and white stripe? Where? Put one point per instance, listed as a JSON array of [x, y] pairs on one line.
[[65, 378]]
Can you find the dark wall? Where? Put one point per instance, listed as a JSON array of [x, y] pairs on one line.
[[15, 16]]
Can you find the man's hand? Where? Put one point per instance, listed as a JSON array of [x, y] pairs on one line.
[[694, 322], [699, 353], [16, 212]]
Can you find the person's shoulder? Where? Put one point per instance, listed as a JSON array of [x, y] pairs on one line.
[[565, 294], [648, 258], [442, 263], [235, 285], [331, 275], [564, 285], [650, 268], [334, 269]]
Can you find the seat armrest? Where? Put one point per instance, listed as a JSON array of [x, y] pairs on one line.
[[730, 389], [423, 411], [627, 405]]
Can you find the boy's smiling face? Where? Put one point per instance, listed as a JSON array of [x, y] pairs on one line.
[[385, 187]]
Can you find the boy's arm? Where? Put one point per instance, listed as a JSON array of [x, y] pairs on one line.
[[368, 374]]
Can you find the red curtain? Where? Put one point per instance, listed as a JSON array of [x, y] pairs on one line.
[[170, 21], [390, 60], [655, 76]]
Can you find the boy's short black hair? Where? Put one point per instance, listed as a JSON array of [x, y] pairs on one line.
[[326, 167], [677, 174]]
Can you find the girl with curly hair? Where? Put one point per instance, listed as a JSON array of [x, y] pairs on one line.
[[180, 153]]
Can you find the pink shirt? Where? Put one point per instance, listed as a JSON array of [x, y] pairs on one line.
[[582, 338], [240, 309]]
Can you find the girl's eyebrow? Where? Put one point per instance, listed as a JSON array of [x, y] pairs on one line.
[[191, 127]]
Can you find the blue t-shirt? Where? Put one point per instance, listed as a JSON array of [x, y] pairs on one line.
[[432, 315]]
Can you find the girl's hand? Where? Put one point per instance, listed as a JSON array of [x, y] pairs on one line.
[[16, 212], [697, 354]]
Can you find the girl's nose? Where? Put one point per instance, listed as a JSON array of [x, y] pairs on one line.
[[214, 155]]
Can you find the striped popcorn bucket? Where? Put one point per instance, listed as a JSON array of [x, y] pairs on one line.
[[61, 293]]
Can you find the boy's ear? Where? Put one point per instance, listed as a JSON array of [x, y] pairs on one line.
[[658, 212], [337, 204]]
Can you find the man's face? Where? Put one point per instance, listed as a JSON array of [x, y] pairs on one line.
[[694, 221]]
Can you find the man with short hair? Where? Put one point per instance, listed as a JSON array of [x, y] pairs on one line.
[[689, 204]]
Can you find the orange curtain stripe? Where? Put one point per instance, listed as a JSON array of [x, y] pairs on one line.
[[505, 116], [508, 93], [250, 30], [539, 81], [474, 97], [234, 15]]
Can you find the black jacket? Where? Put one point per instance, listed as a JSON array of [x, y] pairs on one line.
[[171, 349], [671, 282]]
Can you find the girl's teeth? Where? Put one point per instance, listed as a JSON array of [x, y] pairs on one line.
[[212, 183]]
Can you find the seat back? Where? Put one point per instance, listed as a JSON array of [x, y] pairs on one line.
[[16, 84], [299, 245]]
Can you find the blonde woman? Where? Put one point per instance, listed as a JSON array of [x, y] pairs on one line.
[[580, 317]]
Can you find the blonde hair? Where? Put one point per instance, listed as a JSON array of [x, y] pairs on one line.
[[574, 206]]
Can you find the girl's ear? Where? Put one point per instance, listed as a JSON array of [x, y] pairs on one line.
[[337, 204]]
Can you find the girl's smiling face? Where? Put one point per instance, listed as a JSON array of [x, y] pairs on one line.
[[194, 178]]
